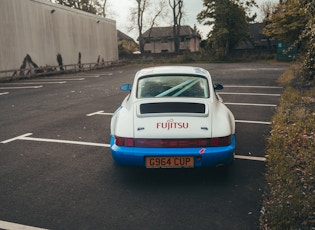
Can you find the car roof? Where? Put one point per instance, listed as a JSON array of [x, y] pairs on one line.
[[172, 70]]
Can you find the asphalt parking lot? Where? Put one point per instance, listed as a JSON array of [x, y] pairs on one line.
[[56, 170]]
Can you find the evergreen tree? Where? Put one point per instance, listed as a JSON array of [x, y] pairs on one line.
[[287, 21], [293, 22], [229, 21]]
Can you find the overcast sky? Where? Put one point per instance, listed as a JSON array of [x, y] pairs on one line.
[[119, 10]]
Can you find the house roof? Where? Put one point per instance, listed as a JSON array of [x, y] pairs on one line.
[[255, 31], [122, 36], [167, 31]]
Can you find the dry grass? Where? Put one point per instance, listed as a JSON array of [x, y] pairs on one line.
[[289, 201]]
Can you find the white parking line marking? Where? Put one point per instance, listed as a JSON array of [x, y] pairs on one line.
[[95, 76], [252, 94], [65, 79], [91, 75], [250, 158], [13, 226], [254, 122], [23, 87], [249, 104], [37, 82], [107, 74], [4, 93], [27, 138], [99, 113], [16, 138], [96, 113], [68, 79], [252, 86]]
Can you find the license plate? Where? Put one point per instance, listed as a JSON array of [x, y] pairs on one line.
[[169, 162]]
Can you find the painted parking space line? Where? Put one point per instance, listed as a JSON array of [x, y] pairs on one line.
[[66, 79], [250, 104], [15, 138], [99, 113], [258, 69], [91, 75], [251, 158], [37, 82], [252, 94], [4, 93], [26, 137], [24, 87], [13, 226], [253, 86], [59, 78], [254, 122], [97, 75]]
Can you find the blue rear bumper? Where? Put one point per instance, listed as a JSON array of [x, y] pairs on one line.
[[203, 157]]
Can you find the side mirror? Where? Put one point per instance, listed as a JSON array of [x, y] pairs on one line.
[[126, 87], [217, 86]]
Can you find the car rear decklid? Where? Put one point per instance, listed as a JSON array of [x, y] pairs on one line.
[[172, 120]]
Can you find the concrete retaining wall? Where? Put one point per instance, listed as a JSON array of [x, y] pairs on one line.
[[43, 29]]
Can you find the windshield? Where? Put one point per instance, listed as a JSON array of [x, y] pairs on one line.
[[173, 86]]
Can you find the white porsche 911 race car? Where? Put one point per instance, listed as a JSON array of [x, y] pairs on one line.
[[172, 118]]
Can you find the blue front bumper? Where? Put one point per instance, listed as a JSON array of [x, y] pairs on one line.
[[203, 157]]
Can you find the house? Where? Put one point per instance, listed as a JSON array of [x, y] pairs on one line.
[[161, 39], [260, 40], [126, 44], [257, 42]]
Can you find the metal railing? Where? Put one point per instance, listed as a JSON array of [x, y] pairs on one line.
[[51, 70]]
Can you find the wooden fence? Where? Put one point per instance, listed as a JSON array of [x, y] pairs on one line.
[[12, 74]]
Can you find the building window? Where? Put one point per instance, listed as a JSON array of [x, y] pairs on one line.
[[164, 40]]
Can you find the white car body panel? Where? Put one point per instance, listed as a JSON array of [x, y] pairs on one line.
[[214, 120]]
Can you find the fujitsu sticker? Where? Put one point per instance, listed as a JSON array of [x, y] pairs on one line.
[[171, 124]]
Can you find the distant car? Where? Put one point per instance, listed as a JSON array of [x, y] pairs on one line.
[[172, 118]]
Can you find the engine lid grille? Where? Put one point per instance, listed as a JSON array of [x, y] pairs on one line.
[[172, 107]]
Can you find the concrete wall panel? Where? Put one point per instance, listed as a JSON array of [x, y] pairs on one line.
[[30, 27]]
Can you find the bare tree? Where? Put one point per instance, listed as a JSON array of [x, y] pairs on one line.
[[104, 8], [177, 11], [145, 16], [267, 8], [141, 6]]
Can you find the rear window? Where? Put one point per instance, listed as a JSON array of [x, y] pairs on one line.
[[173, 86]]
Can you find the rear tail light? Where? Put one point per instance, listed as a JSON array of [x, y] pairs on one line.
[[173, 143], [123, 141]]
